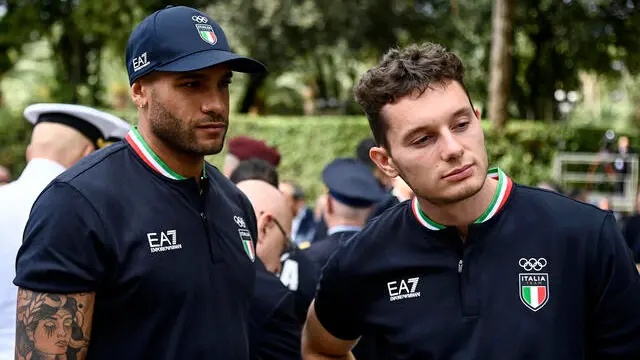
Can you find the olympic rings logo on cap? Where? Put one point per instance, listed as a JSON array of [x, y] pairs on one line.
[[532, 264], [200, 19]]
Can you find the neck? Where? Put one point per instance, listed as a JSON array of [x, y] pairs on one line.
[[343, 222], [185, 164], [463, 213]]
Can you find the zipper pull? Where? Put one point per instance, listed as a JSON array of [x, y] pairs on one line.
[[460, 264]]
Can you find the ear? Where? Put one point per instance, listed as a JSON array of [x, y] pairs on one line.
[[383, 160], [328, 205], [139, 93], [477, 112], [263, 223], [88, 150]]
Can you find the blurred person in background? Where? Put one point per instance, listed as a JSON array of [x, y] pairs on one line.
[[274, 332], [63, 134], [5, 175], [385, 183], [242, 148], [399, 193], [303, 225], [621, 162], [255, 168], [299, 273], [352, 193]]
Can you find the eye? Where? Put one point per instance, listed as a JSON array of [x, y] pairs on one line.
[[49, 327], [67, 322], [192, 84], [225, 83], [463, 125], [422, 140]]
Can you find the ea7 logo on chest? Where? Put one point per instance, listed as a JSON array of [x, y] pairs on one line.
[[163, 241], [403, 289]]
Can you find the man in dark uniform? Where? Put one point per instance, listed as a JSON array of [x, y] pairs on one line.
[[275, 329], [143, 250], [352, 192], [475, 266], [304, 222]]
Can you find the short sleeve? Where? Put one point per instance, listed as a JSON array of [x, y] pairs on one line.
[[339, 301], [614, 296], [62, 249]]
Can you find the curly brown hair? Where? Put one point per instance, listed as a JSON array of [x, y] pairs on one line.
[[403, 71]]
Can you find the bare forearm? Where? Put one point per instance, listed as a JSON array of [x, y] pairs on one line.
[[53, 325]]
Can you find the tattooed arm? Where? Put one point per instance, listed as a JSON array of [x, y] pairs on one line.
[[53, 326]]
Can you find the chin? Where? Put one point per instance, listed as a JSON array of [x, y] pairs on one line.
[[451, 194]]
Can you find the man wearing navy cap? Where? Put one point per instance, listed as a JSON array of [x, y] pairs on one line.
[[152, 256], [476, 266], [62, 135], [352, 193]]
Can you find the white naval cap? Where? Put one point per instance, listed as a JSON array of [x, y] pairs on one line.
[[98, 126]]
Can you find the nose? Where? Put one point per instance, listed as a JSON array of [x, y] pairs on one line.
[[450, 147], [215, 104]]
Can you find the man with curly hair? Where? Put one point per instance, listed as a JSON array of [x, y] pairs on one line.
[[475, 266]]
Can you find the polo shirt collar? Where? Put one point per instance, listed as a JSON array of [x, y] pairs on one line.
[[140, 146], [505, 185]]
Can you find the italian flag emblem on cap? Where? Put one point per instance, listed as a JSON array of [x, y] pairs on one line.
[[206, 33]]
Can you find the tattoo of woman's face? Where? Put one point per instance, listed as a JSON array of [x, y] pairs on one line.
[[52, 334], [47, 325]]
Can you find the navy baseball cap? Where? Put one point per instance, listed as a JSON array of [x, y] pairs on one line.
[[180, 38]]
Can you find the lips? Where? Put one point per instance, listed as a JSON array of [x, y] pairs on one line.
[[213, 126], [457, 171], [61, 343]]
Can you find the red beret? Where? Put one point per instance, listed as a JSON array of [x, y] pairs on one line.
[[244, 148]]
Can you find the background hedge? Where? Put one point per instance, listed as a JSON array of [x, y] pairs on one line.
[[524, 149]]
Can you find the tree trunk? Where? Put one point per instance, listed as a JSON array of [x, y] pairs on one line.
[[251, 92], [501, 51]]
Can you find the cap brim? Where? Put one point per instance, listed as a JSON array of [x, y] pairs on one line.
[[205, 59]]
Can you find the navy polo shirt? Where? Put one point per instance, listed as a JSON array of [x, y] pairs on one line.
[[171, 262], [540, 276]]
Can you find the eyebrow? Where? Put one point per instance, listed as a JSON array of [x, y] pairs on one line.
[[199, 76]]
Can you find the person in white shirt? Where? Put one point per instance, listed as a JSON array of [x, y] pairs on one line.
[[62, 135]]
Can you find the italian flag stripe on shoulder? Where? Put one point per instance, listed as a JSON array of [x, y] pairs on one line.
[[499, 199]]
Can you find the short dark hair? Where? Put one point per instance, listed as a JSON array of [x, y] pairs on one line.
[[413, 69], [255, 169]]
